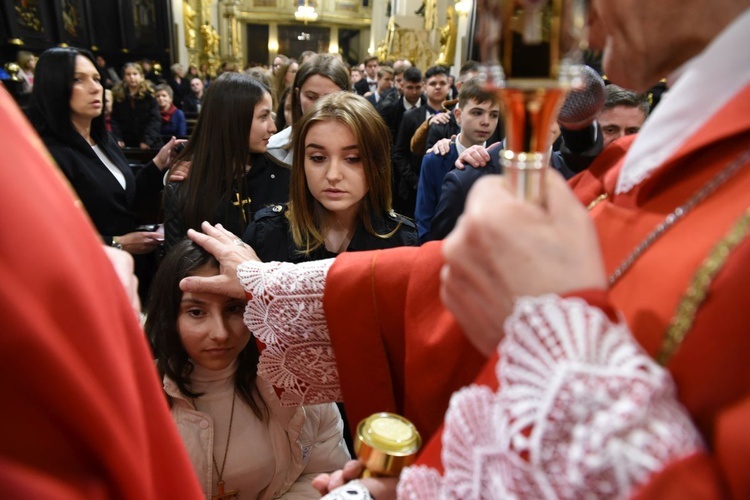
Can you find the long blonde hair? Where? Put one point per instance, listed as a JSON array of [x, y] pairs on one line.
[[305, 213], [120, 91]]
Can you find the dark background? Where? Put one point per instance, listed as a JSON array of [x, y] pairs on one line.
[[120, 30]]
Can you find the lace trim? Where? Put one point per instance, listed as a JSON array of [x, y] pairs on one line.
[[285, 312], [581, 411]]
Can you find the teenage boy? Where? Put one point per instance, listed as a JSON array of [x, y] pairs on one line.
[[385, 85], [477, 114], [370, 82], [407, 161]]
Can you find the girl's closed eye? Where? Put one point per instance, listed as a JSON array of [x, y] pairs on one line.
[[316, 158]]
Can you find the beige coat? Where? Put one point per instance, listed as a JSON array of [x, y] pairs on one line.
[[314, 433]]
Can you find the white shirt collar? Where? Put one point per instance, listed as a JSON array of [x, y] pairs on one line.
[[702, 86], [408, 106], [460, 148]]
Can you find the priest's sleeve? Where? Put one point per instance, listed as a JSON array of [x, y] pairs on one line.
[[368, 327]]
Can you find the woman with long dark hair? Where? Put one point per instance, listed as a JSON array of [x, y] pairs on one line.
[[238, 436], [66, 109], [230, 178]]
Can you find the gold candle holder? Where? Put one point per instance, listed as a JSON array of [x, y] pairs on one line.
[[386, 443]]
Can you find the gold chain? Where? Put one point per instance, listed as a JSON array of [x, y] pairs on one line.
[[220, 472], [679, 213]]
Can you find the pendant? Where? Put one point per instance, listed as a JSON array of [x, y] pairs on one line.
[[221, 495]]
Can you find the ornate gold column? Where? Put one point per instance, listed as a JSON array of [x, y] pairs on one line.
[[231, 28], [201, 37], [411, 32], [448, 38]]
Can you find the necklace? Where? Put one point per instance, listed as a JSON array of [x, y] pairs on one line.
[[221, 495], [678, 213]]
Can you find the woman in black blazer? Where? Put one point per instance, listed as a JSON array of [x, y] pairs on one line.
[[66, 109]]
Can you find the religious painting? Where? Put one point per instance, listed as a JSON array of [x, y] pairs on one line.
[[144, 20], [141, 21], [73, 22], [28, 23]]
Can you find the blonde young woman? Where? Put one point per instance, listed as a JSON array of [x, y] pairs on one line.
[[136, 122], [340, 197]]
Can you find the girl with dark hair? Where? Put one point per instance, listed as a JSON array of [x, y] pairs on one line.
[[283, 78], [340, 196], [230, 177], [238, 436], [66, 109], [319, 76], [284, 110], [135, 114]]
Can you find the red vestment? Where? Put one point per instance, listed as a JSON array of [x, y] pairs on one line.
[[398, 349], [83, 413]]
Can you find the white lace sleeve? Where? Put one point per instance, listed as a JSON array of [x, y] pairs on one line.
[[581, 411], [286, 314]]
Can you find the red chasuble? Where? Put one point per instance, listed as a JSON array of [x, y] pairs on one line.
[[83, 412], [378, 296], [399, 350]]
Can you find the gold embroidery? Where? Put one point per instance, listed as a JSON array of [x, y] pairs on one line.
[[697, 291], [596, 201]]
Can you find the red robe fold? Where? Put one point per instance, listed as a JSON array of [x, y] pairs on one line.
[[377, 297], [83, 412]]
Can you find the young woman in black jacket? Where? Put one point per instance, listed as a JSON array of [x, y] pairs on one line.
[[340, 191], [340, 195]]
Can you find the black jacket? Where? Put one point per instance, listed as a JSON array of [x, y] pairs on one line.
[[391, 108], [270, 236], [179, 90], [406, 165], [137, 120], [190, 105], [362, 87], [113, 210], [267, 183], [579, 149]]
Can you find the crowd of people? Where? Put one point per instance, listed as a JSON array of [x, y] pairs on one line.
[[594, 345]]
